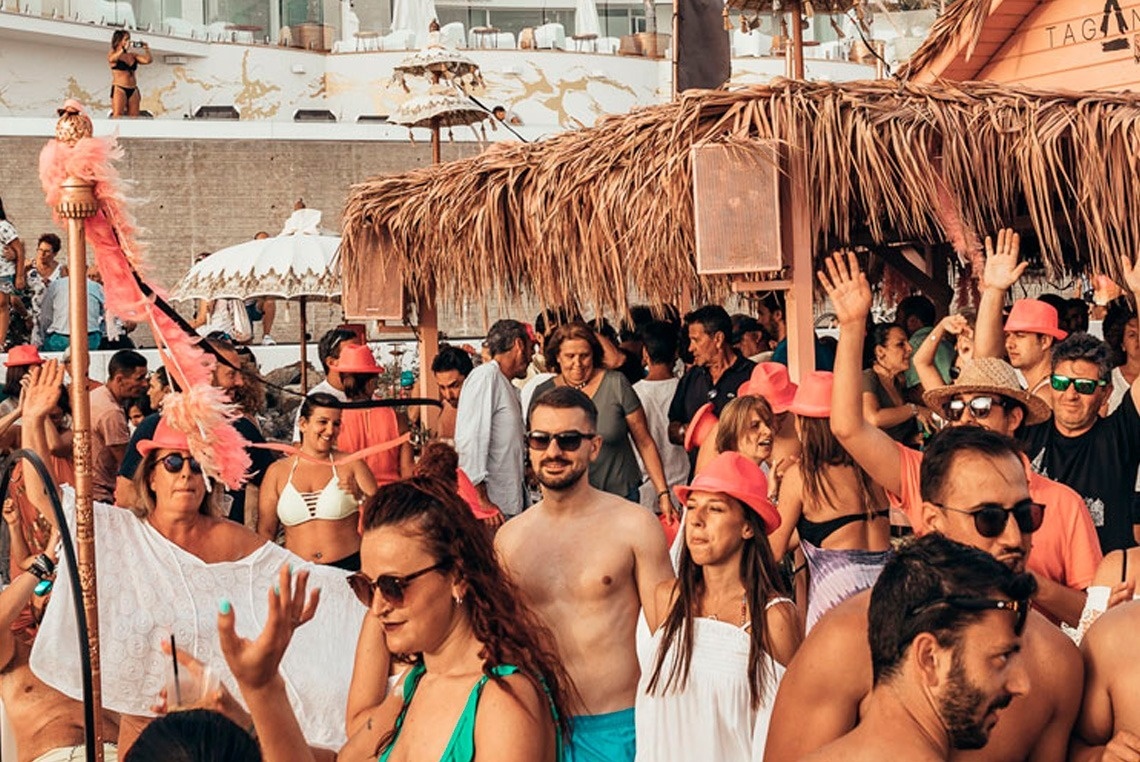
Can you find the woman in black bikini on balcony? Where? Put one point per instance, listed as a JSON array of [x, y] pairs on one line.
[[124, 59]]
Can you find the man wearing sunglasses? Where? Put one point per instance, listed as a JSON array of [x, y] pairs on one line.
[[945, 623], [974, 492], [1066, 551], [1096, 456], [587, 562]]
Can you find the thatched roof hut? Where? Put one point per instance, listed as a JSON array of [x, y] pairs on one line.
[[583, 218]]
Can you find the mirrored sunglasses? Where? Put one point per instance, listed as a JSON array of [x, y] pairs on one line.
[[1084, 385]]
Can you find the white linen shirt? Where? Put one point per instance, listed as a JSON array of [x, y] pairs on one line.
[[489, 436]]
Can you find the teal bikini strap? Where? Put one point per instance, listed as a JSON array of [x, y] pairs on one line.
[[410, 682]]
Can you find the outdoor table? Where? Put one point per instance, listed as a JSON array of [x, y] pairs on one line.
[[246, 33], [482, 33], [367, 40], [580, 41]]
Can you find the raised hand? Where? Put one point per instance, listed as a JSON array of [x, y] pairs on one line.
[[41, 394], [254, 663], [1002, 269], [846, 285], [956, 325], [1131, 273]]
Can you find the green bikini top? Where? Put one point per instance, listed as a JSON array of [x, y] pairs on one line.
[[461, 746]]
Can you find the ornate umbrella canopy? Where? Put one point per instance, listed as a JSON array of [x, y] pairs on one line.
[[300, 262], [439, 63], [450, 111]]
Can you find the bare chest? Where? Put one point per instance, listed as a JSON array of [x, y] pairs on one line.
[[562, 570]]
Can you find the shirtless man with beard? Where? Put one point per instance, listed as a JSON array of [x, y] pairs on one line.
[[587, 562], [975, 491], [945, 622]]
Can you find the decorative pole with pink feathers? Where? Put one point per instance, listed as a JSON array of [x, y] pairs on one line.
[[76, 204]]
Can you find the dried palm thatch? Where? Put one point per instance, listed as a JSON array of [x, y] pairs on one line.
[[585, 217], [961, 17], [779, 6]]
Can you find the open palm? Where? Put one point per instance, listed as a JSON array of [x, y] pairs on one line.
[[1002, 268], [846, 285]]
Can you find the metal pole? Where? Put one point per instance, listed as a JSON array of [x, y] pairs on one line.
[[77, 203], [304, 348]]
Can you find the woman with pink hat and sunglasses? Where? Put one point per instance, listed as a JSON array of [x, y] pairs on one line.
[[709, 675], [163, 565], [839, 512], [317, 501]]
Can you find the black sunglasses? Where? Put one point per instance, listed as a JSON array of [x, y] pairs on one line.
[[174, 461], [390, 586], [568, 441], [1084, 385], [968, 603], [980, 407], [990, 518]]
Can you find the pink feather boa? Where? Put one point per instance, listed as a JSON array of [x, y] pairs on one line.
[[202, 411]]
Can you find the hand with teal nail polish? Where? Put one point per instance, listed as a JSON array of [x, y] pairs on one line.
[[254, 663]]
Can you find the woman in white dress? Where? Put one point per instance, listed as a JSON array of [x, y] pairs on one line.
[[709, 673]]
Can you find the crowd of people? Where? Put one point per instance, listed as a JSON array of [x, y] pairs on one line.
[[638, 544]]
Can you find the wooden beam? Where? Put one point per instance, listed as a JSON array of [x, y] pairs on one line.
[[428, 320], [938, 291], [799, 254]]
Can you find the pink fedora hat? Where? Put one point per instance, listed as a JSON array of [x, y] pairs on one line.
[[770, 380], [166, 437], [1032, 316], [813, 398], [736, 476], [357, 358], [23, 354], [703, 423]]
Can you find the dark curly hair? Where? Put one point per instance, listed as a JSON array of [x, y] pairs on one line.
[[508, 630]]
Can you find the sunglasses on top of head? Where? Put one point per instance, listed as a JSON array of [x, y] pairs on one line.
[[980, 407], [1084, 386], [568, 441], [174, 461], [990, 518], [391, 587], [1020, 609]]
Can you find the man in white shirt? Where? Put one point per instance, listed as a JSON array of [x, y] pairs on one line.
[[489, 427]]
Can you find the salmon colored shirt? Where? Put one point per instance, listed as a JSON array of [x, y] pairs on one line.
[[1065, 549], [372, 426]]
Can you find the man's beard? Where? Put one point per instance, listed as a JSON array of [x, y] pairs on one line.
[[566, 479], [961, 707]]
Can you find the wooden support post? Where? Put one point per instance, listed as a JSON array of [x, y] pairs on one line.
[[428, 319], [799, 250]]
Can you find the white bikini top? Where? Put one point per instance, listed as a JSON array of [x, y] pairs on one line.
[[331, 503]]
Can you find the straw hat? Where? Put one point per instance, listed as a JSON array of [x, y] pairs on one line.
[[813, 398], [734, 475], [357, 358], [989, 375], [1033, 316], [23, 354], [703, 423], [166, 437], [770, 380]]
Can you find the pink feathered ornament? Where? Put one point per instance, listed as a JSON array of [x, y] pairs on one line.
[[202, 411]]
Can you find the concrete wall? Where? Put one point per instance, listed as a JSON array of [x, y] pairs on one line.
[[202, 195]]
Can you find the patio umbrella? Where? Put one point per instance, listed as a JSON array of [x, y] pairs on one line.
[[586, 21], [414, 16], [436, 110], [301, 263], [441, 65]]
